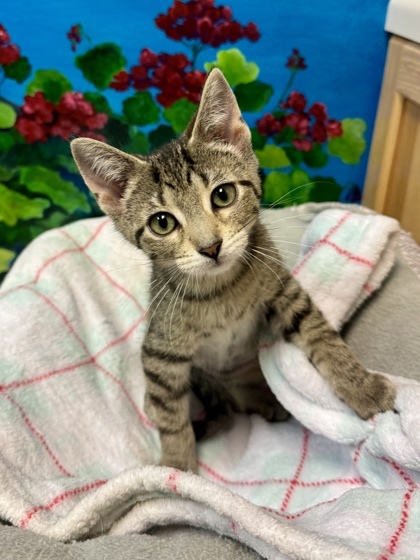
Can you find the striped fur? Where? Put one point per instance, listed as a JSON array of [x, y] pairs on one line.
[[206, 315]]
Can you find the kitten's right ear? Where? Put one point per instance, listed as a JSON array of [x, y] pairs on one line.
[[105, 170], [219, 118]]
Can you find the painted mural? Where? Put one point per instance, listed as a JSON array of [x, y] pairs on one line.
[[294, 135]]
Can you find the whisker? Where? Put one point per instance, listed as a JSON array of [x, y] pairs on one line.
[[172, 315], [279, 261], [285, 241], [295, 189], [151, 303], [169, 307], [265, 264]]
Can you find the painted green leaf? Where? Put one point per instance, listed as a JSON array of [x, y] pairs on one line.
[[286, 135], [139, 144], [67, 162], [45, 181], [49, 150], [315, 157], [116, 131], [19, 70], [7, 115], [350, 146], [257, 139], [100, 64], [325, 189], [254, 96], [5, 173], [179, 114], [53, 83], [276, 185], [161, 135], [6, 258], [295, 156], [272, 156], [99, 102], [54, 220], [15, 206], [284, 189], [300, 188], [140, 109], [7, 140], [234, 66]]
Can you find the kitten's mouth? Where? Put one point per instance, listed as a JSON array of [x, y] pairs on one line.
[[214, 267]]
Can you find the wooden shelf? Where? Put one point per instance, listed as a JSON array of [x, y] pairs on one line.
[[392, 184]]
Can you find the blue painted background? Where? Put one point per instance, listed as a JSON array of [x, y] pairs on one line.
[[343, 42]]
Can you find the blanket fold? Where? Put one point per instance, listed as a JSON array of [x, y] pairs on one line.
[[77, 451]]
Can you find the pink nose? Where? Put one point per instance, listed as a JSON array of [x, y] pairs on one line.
[[212, 251]]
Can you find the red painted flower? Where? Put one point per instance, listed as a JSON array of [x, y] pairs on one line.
[[296, 61], [251, 32], [194, 80], [74, 103], [334, 128], [206, 29], [121, 81], [31, 130], [268, 125], [73, 115], [318, 132], [96, 121], [299, 123], [138, 72], [148, 58], [202, 20], [65, 127], [178, 61], [178, 11], [163, 22], [296, 101], [38, 107], [9, 53], [75, 36], [319, 111], [4, 36], [302, 144]]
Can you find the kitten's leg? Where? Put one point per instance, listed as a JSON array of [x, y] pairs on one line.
[[294, 315], [217, 403], [251, 393], [243, 390], [168, 403]]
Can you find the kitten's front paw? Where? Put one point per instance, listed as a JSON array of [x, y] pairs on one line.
[[186, 463], [375, 394]]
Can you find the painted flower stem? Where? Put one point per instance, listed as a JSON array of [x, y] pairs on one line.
[[287, 86]]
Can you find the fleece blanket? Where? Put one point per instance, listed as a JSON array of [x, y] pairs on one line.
[[76, 449]]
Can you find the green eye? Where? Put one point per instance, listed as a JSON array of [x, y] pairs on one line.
[[162, 223], [223, 196]]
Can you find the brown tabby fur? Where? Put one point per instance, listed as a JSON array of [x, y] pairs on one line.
[[207, 313]]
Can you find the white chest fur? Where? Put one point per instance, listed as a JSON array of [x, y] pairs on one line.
[[230, 346]]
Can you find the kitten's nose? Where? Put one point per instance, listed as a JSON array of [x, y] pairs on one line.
[[212, 251]]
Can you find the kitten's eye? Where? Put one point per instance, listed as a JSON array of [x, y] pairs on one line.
[[162, 223], [223, 196]]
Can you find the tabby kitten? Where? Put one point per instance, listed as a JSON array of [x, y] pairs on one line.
[[193, 207]]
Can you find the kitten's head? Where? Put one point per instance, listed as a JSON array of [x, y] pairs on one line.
[[194, 201]]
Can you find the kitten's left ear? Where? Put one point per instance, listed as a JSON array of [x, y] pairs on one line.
[[219, 118], [105, 170]]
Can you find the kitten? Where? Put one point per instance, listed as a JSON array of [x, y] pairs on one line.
[[193, 207]]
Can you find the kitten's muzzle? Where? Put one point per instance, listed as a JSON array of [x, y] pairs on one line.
[[212, 251]]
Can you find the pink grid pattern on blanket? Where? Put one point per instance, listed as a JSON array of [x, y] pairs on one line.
[[10, 390]]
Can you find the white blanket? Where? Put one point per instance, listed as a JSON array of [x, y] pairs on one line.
[[76, 448]]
